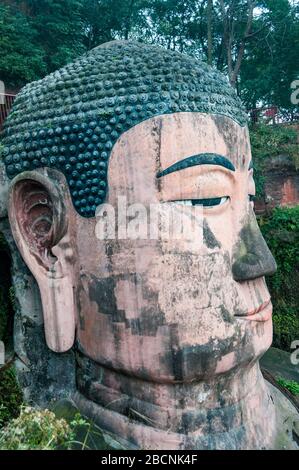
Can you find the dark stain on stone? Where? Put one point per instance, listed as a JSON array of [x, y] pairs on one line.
[[252, 257], [175, 354], [225, 129], [77, 296], [102, 292], [226, 315], [208, 236]]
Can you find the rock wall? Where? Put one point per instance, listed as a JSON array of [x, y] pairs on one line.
[[281, 184]]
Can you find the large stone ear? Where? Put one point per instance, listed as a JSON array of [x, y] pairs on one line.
[[39, 211]]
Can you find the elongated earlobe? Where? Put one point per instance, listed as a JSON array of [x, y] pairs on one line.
[[41, 230]]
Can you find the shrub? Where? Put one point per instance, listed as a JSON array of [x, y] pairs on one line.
[[267, 142], [270, 141], [10, 396], [281, 232], [35, 430], [290, 385]]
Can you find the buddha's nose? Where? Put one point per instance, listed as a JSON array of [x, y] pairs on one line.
[[252, 257]]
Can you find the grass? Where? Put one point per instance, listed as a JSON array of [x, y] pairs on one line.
[[290, 385]]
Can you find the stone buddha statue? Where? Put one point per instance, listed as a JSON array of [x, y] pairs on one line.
[[167, 333]]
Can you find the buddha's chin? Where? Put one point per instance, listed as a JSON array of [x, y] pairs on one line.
[[238, 353], [256, 341]]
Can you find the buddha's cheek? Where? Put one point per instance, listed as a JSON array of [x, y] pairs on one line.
[[198, 294]]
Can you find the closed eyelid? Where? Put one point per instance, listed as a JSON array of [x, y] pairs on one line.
[[204, 173], [208, 173], [205, 183]]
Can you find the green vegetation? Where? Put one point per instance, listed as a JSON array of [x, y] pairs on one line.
[[248, 40], [281, 232], [4, 294], [270, 62], [36, 430], [36, 38], [268, 142], [11, 397], [271, 141], [290, 385]]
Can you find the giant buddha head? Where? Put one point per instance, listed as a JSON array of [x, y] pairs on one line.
[[166, 330]]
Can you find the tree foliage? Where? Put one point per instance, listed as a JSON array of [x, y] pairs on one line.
[[59, 28], [255, 42], [281, 232], [271, 62], [22, 57]]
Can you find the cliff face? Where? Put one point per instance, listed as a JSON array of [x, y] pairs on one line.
[[281, 184], [277, 148]]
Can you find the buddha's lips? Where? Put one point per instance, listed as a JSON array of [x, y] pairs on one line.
[[262, 313]]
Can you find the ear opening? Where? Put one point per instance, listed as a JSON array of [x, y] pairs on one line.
[[39, 212], [34, 210]]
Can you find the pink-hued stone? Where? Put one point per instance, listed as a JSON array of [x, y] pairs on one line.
[[168, 332]]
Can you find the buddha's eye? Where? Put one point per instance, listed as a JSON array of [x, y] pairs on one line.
[[210, 202], [251, 197]]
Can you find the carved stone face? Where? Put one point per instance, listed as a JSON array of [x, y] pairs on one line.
[[167, 328], [162, 310]]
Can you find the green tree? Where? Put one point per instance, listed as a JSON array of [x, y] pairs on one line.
[[255, 42], [281, 232], [38, 37], [271, 60], [22, 57], [59, 28], [105, 20]]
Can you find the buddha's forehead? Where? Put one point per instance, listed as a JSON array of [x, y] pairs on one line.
[[72, 119], [185, 135], [162, 141]]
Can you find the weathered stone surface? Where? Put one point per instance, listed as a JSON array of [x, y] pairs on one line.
[[279, 363], [3, 190], [77, 113], [168, 330], [43, 375], [281, 184], [287, 419]]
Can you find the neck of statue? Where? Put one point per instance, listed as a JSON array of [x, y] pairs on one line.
[[227, 411]]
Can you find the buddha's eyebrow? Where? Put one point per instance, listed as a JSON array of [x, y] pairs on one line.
[[200, 159]]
